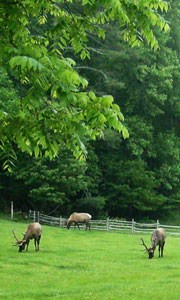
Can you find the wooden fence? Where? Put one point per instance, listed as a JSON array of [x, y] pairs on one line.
[[107, 224]]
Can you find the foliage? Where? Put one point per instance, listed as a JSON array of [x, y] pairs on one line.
[[92, 204], [54, 108], [51, 186], [9, 103], [129, 186], [141, 175]]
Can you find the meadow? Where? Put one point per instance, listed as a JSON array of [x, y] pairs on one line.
[[78, 265]]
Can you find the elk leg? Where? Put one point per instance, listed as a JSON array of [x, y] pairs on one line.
[[162, 249], [35, 244], [159, 249], [38, 241], [76, 224], [87, 226], [27, 245]]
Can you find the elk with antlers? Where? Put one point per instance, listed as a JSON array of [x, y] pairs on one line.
[[157, 239], [34, 231]]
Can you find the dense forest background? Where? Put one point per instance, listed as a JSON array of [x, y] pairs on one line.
[[133, 178]]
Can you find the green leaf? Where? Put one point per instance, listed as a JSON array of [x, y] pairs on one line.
[[36, 151], [25, 63], [125, 133]]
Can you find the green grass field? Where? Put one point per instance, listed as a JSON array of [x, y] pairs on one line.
[[73, 264]]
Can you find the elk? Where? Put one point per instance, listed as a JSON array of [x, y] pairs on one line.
[[157, 239], [77, 218], [34, 231]]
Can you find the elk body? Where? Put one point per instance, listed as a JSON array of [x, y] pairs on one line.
[[77, 218], [34, 231], [157, 239]]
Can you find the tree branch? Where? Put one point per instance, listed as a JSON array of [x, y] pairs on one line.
[[93, 69]]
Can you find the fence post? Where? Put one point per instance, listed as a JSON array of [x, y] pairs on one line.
[[107, 224], [157, 223], [60, 221], [38, 216], [12, 210], [133, 226], [34, 215]]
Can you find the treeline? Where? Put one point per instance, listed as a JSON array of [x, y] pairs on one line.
[[133, 178]]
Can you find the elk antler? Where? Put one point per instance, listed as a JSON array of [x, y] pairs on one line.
[[15, 237], [143, 243]]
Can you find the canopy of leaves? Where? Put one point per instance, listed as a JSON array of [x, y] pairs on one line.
[[54, 108], [140, 176], [46, 106]]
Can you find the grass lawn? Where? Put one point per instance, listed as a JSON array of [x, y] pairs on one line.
[[78, 265]]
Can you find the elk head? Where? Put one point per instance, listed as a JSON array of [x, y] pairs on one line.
[[20, 243], [150, 250]]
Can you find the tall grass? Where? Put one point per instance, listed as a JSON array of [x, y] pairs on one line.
[[82, 265]]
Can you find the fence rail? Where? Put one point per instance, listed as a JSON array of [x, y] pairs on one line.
[[107, 224]]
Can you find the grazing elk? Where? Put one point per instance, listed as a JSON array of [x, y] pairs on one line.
[[157, 239], [34, 231], [77, 218]]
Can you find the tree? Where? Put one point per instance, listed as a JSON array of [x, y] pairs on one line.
[[140, 175], [54, 107], [9, 104], [61, 185]]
